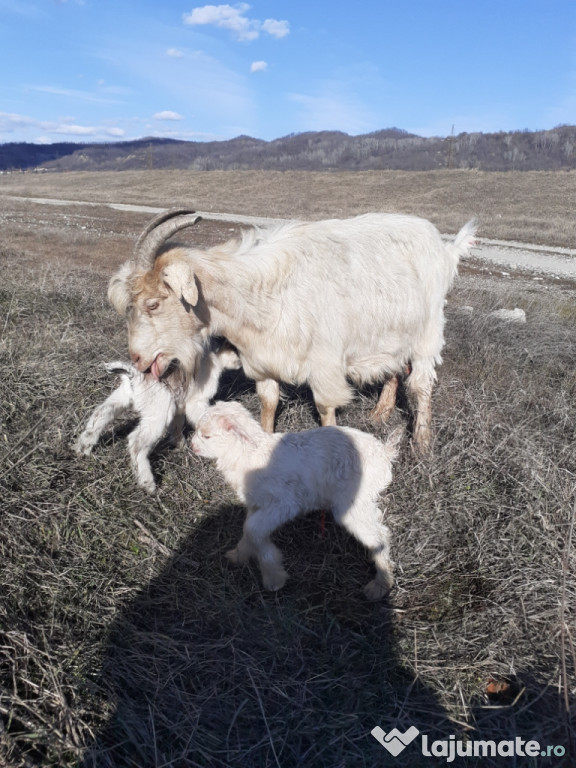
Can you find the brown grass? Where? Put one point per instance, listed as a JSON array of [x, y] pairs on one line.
[[126, 639], [532, 207]]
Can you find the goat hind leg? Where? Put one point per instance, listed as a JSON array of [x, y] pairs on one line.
[[364, 522], [420, 384], [142, 440], [102, 416], [386, 402]]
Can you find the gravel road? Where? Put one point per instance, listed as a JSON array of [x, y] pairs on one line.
[[559, 262]]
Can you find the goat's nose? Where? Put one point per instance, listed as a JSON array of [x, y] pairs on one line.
[[135, 357]]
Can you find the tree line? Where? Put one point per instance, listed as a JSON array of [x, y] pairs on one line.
[[390, 149]]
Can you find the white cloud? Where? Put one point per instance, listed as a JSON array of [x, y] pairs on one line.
[[74, 130], [11, 123], [226, 17], [276, 28], [258, 66], [175, 53], [233, 18], [167, 115]]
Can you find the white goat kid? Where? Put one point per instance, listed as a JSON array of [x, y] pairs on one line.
[[278, 476], [322, 303], [162, 405]]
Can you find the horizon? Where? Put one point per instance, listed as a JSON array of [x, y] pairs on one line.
[[400, 131], [75, 72]]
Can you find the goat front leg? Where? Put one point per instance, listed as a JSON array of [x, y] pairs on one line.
[[269, 393], [102, 416], [330, 391], [327, 415]]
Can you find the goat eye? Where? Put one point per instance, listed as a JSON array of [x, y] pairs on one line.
[[152, 304]]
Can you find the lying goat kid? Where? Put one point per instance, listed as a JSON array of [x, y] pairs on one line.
[[279, 476], [161, 404]]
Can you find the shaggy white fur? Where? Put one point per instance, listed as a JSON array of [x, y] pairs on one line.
[[279, 476], [161, 405]]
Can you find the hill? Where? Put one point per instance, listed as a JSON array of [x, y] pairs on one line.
[[390, 149]]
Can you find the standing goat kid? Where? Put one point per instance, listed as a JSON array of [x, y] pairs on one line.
[[304, 302], [279, 476], [161, 405]]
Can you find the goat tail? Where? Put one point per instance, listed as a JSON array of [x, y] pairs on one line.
[[392, 444], [460, 246], [466, 238]]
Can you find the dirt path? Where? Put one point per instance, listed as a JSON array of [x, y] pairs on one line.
[[560, 262]]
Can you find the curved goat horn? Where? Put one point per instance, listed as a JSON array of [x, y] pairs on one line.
[[160, 229]]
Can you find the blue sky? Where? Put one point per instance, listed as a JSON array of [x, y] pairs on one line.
[[104, 70]]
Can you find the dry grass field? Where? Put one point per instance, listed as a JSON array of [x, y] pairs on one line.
[[126, 637], [532, 207]]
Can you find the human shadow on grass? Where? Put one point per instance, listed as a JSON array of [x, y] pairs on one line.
[[206, 668]]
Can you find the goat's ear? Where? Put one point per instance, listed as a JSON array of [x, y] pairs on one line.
[[179, 277], [119, 293]]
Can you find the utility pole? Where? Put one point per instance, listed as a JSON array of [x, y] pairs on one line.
[[450, 148]]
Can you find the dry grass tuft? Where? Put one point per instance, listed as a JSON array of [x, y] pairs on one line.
[[128, 640]]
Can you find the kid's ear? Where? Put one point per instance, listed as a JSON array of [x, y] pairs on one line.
[[179, 277], [231, 426]]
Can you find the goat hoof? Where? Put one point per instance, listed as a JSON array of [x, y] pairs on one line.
[[237, 557], [421, 451], [274, 581], [378, 588], [233, 556], [81, 450]]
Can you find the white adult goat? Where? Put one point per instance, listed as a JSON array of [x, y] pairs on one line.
[[316, 302], [161, 405]]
